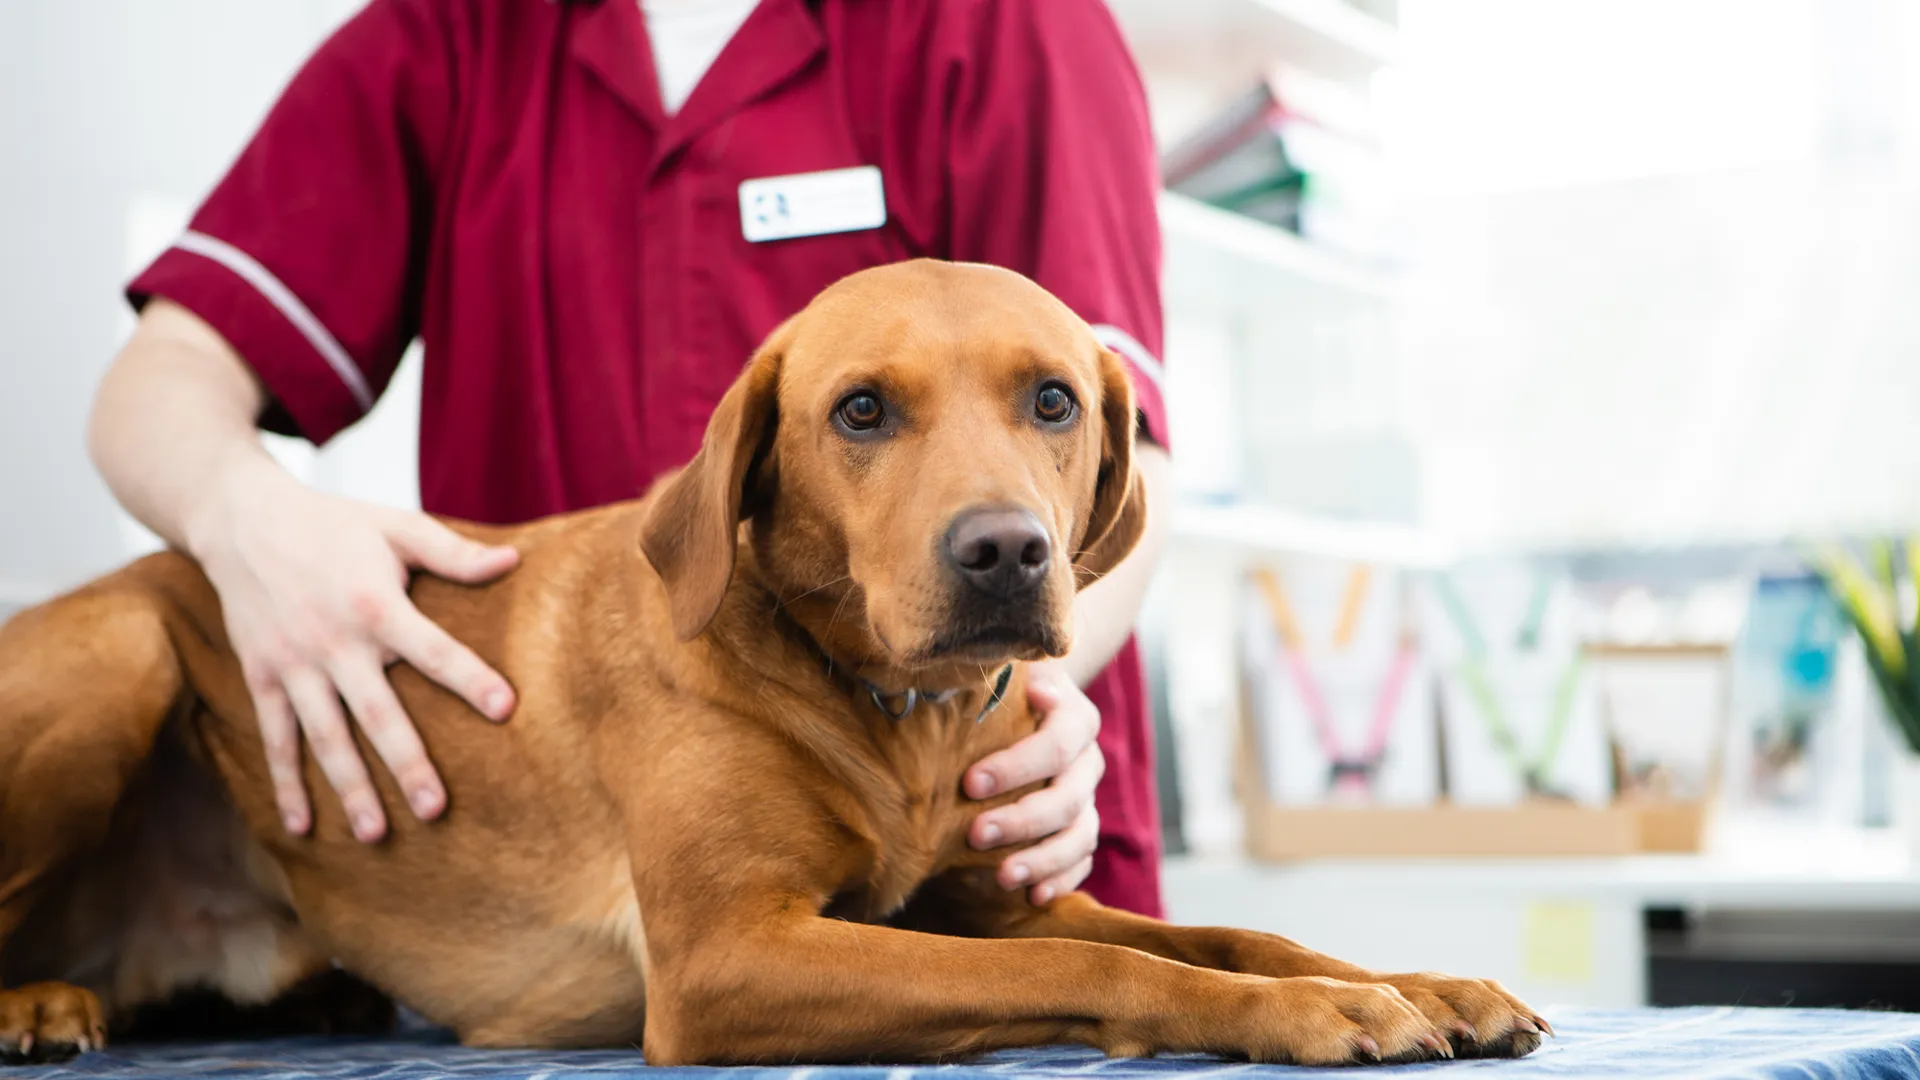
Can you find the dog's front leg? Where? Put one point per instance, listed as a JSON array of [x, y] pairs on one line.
[[1481, 1018], [738, 846], [775, 988]]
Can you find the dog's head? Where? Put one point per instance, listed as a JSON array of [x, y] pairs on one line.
[[934, 457]]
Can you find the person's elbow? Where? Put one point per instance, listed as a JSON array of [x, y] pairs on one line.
[[174, 361], [112, 411]]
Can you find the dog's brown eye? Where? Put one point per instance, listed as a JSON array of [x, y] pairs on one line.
[[1053, 404], [861, 412]]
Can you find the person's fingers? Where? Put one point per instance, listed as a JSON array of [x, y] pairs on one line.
[[369, 696], [1071, 724], [424, 542], [280, 735], [1055, 855], [317, 705], [1044, 812], [1061, 884], [419, 641]]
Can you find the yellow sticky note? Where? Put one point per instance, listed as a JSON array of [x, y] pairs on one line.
[[1559, 941]]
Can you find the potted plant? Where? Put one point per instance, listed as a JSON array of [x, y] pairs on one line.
[[1880, 596]]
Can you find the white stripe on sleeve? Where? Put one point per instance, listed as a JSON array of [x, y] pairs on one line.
[[1124, 343], [284, 301]]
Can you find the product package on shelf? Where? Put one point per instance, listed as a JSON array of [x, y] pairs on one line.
[[1340, 692], [1520, 703], [1557, 739], [1297, 151], [1792, 751], [1665, 656], [1238, 162], [1666, 708]]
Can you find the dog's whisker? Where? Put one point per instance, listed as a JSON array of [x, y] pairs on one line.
[[778, 603], [832, 621]]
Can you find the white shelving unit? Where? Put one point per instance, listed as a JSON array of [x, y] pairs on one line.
[[1253, 312], [1327, 36], [1238, 272], [1251, 531], [1216, 257]]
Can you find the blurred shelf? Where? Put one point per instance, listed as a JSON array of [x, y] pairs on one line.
[[1746, 865], [1216, 257], [1331, 34], [1256, 530], [1329, 37]]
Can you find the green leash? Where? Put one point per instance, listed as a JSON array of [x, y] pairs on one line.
[[1533, 773]]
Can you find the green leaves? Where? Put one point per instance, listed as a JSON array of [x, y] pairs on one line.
[[1883, 605]]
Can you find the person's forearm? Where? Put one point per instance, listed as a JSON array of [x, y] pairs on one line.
[[1104, 612], [173, 417]]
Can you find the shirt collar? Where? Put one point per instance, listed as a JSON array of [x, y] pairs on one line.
[[778, 41]]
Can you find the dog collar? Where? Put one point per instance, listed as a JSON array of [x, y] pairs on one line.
[[910, 699], [900, 705]]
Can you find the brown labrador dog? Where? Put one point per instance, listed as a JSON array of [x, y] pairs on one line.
[[726, 821]]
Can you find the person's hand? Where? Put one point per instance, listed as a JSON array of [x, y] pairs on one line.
[[1063, 750], [313, 589]]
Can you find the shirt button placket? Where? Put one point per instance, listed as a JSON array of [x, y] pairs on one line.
[[656, 316]]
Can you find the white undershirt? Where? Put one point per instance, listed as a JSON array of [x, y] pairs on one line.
[[687, 37]]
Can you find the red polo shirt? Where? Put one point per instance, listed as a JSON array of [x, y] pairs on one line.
[[498, 178]]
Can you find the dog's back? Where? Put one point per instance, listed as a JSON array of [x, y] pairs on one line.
[[515, 921]]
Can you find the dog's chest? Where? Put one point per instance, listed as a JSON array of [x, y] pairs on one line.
[[916, 851], [883, 894], [918, 832]]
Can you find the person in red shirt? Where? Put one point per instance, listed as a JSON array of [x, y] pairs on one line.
[[590, 243]]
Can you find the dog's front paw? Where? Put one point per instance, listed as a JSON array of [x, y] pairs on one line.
[[1482, 1019], [1315, 1021], [49, 1021]]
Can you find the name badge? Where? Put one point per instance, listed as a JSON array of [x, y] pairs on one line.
[[812, 204]]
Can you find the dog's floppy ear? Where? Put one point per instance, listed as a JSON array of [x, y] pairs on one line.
[[1119, 514], [692, 527]]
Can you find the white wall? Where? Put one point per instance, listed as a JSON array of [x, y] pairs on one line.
[[1663, 259], [1721, 356], [107, 106]]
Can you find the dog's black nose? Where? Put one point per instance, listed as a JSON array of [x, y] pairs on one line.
[[999, 551]]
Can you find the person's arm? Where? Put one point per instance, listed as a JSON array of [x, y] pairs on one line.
[[1064, 749], [1050, 164], [287, 304], [174, 412], [1105, 611], [312, 588]]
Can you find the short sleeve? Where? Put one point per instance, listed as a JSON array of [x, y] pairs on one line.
[[308, 255], [1052, 171]]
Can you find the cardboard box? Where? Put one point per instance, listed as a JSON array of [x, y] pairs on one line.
[[1278, 834], [1533, 829]]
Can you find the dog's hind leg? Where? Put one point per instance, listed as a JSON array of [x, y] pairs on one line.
[[86, 682]]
